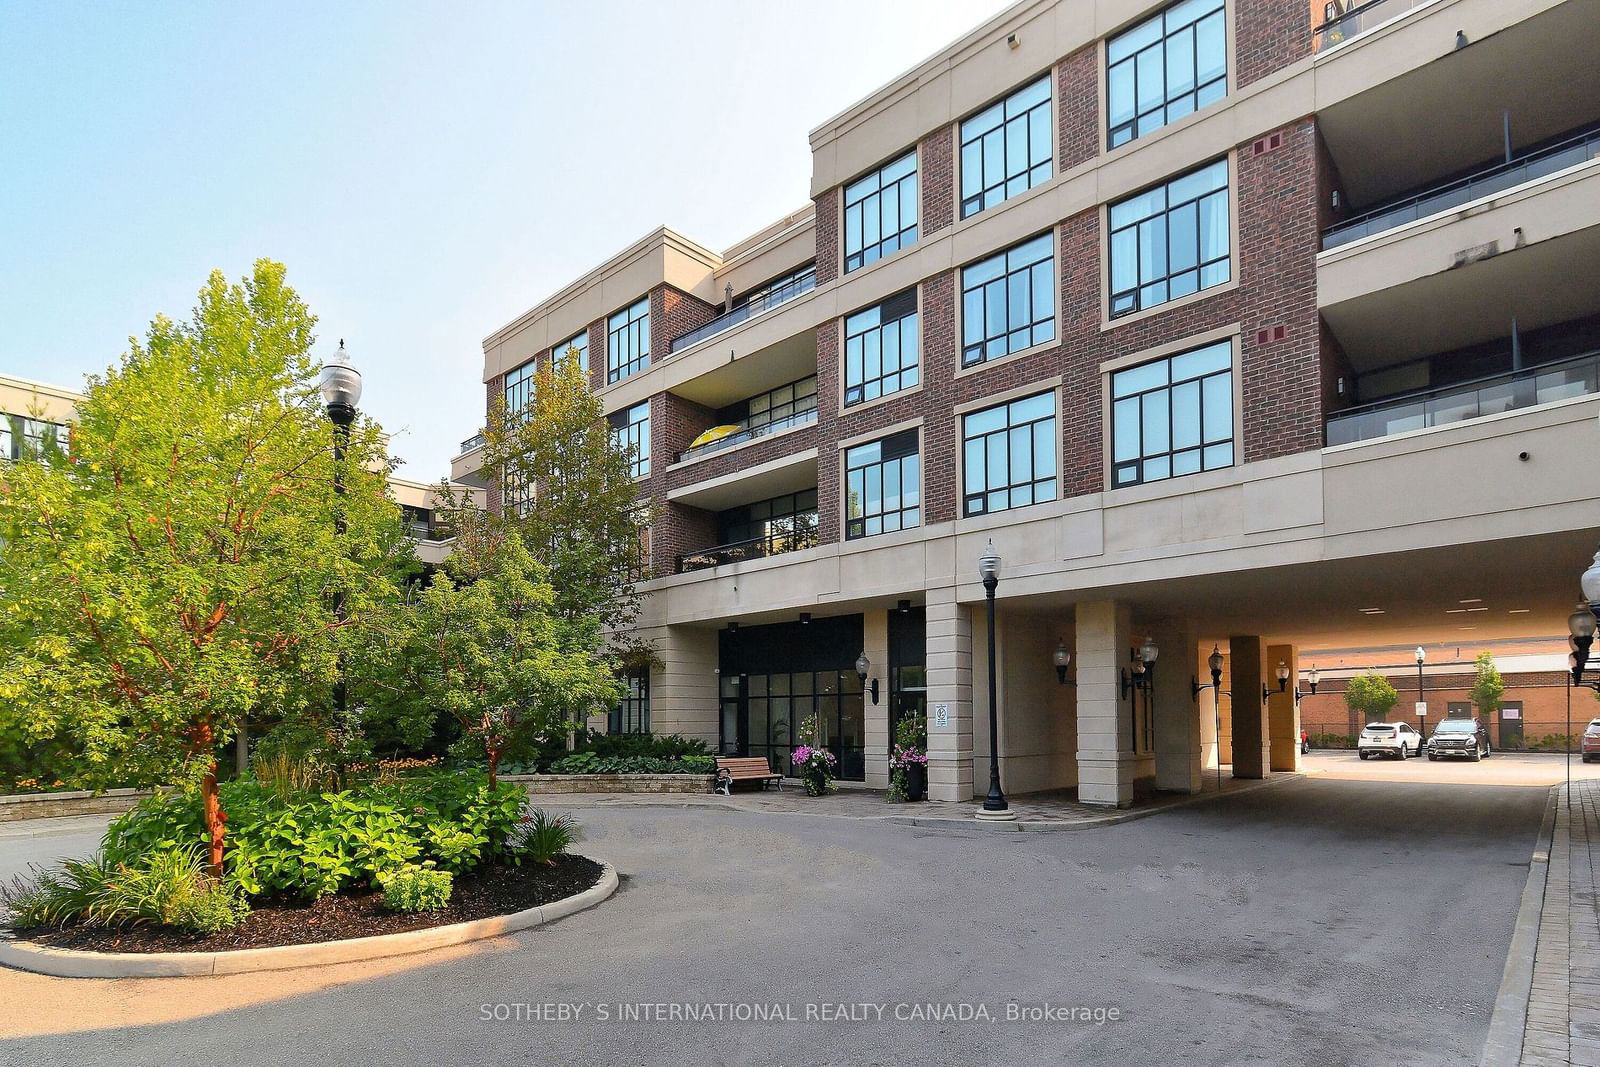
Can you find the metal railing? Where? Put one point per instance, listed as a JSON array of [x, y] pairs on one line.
[[475, 441], [749, 433], [1496, 179], [1358, 20], [756, 305], [1575, 376], [788, 536]]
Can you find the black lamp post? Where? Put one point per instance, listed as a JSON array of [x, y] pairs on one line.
[[1214, 662], [989, 571], [1422, 701], [1312, 679], [341, 391]]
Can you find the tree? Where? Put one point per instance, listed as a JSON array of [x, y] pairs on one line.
[[498, 657], [1488, 687], [1370, 697], [173, 573]]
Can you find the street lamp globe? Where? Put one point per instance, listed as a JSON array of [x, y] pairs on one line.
[[863, 666], [1283, 675], [1421, 655], [1214, 661], [989, 565], [1590, 582], [1148, 652], [1062, 659], [1581, 623], [1314, 677], [340, 385]]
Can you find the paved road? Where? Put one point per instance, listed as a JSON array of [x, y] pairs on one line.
[[1502, 768], [1301, 923]]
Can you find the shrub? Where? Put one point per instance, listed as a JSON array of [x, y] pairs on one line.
[[546, 837], [416, 887], [1332, 741], [543, 756], [169, 887]]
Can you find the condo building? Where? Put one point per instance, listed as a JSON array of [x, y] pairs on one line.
[[1246, 325]]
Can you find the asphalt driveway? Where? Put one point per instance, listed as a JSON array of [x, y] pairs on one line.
[[1308, 922]]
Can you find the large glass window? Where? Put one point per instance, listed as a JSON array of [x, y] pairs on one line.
[[1170, 241], [880, 349], [519, 389], [1009, 457], [1008, 301], [780, 406], [1172, 416], [25, 438], [880, 212], [631, 429], [628, 341], [1164, 68], [1005, 148], [774, 706], [579, 342], [785, 523], [883, 486], [632, 715]]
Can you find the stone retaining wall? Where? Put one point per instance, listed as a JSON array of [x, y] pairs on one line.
[[15, 807], [614, 783]]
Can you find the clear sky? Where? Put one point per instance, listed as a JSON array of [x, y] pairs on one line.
[[428, 171]]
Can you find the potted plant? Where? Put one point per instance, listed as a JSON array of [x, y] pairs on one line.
[[908, 762], [813, 764]]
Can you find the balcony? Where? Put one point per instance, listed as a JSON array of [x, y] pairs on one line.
[[466, 467], [746, 433], [1358, 20], [1576, 376], [1532, 166], [786, 536], [764, 300]]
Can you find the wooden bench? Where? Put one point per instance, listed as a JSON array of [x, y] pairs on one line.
[[732, 769]]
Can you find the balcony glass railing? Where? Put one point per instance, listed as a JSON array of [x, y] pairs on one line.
[[789, 535], [764, 301], [749, 433], [1496, 179], [1358, 20], [1576, 376], [475, 441]]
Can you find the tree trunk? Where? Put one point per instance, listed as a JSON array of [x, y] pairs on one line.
[[494, 766], [241, 749], [211, 803]]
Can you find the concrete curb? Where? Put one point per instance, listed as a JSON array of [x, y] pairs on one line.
[[1503, 1046], [72, 963], [55, 825]]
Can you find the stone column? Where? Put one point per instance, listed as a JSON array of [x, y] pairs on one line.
[[1283, 714], [949, 697], [875, 640], [1251, 740], [1177, 714], [1105, 727], [683, 691]]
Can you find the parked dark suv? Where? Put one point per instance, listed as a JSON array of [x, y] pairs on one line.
[[1460, 737]]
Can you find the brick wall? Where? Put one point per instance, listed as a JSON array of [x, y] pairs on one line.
[[597, 354], [674, 422], [1078, 108], [1268, 36], [494, 391], [936, 177], [678, 529], [827, 236], [1542, 694], [674, 313]]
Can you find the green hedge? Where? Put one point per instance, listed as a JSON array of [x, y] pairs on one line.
[[649, 754], [591, 763]]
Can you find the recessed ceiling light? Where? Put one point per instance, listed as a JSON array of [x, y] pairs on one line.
[[1466, 627], [1471, 600], [1519, 611], [1455, 611], [1477, 609], [1370, 609]]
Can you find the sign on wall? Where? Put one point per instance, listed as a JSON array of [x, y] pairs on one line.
[[941, 716]]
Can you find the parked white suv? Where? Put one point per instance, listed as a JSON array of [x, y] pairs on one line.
[[1395, 739]]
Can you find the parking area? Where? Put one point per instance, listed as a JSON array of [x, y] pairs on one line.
[[1502, 768]]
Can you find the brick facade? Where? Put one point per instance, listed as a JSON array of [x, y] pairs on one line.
[[828, 237], [1541, 694], [1268, 36], [1077, 102], [674, 313], [936, 181]]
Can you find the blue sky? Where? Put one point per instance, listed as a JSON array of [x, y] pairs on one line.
[[427, 170]]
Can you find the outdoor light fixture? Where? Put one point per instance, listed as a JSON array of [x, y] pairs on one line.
[[340, 387], [1144, 668], [994, 805], [1283, 676], [733, 627], [1581, 623], [1312, 679], [904, 606], [1062, 658], [1422, 701], [1214, 664], [863, 665], [805, 618]]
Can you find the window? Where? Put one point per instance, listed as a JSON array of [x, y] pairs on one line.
[[1010, 455], [880, 349], [785, 523], [880, 213], [579, 341], [779, 290], [631, 430], [7, 439], [1170, 241], [517, 496], [628, 341], [1005, 148], [781, 405], [883, 486], [632, 715], [1008, 302], [1164, 68], [25, 438], [519, 389], [1173, 416]]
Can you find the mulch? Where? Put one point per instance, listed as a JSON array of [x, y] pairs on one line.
[[481, 894]]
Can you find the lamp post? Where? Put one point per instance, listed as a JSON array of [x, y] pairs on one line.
[[1214, 663], [341, 391], [995, 802], [1422, 703]]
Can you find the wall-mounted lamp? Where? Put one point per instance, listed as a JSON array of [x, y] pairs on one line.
[[1062, 659], [1312, 679], [805, 618], [733, 627], [1214, 662], [904, 606], [1283, 676], [863, 665], [1013, 41], [1144, 668]]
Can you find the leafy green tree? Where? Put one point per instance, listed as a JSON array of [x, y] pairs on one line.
[[496, 656], [1488, 687], [1370, 697], [173, 575]]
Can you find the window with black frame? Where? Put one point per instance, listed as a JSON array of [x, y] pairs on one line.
[[880, 212], [519, 389], [632, 713], [1008, 301], [778, 406], [881, 349], [1173, 416], [1009, 455], [630, 429], [1168, 66], [1170, 241], [782, 523], [575, 347], [628, 341], [883, 486], [1006, 148]]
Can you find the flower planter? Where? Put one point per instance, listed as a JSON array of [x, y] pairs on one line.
[[916, 781]]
